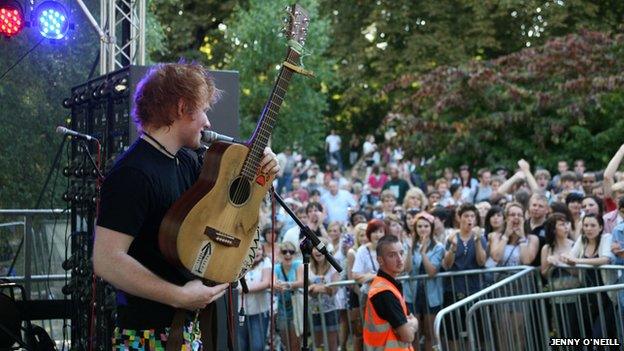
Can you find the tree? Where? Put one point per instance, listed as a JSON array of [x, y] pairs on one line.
[[561, 100], [257, 50]]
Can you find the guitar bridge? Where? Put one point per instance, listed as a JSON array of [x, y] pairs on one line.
[[222, 238]]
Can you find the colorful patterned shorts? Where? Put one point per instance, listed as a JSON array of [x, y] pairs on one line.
[[155, 339]]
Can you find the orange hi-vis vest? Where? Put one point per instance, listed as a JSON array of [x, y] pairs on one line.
[[378, 333]]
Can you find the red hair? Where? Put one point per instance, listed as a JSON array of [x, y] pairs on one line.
[[373, 226], [158, 93]]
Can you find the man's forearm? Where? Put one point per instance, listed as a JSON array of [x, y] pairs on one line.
[[127, 274]]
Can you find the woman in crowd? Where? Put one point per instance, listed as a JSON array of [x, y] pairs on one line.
[[574, 202], [365, 265], [376, 181], [425, 258], [592, 204], [593, 247], [415, 199], [255, 305], [513, 247], [355, 315], [289, 278], [494, 222], [323, 304], [557, 231]]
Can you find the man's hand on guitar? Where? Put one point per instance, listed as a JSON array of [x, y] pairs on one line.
[[196, 295], [269, 162]]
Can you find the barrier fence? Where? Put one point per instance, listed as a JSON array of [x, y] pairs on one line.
[[576, 310]]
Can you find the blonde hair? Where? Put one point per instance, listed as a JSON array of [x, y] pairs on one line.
[[359, 229], [416, 192]]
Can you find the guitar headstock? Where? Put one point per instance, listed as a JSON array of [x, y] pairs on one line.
[[297, 24]]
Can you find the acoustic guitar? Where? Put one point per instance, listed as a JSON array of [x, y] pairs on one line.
[[212, 229]]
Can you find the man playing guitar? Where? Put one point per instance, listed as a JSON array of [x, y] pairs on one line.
[[170, 108]]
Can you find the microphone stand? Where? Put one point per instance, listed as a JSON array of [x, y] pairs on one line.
[[309, 241]]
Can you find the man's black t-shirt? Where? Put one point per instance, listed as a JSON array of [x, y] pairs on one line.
[[135, 196], [387, 306]]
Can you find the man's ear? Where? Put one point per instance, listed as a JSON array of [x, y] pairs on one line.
[[181, 107]]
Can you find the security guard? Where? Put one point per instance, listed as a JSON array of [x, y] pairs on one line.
[[388, 325]]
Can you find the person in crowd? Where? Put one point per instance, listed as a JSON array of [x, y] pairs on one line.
[[338, 202], [335, 231], [287, 164], [332, 148], [614, 218], [270, 242], [315, 218], [289, 278], [396, 184], [433, 198], [376, 181], [443, 227], [450, 175], [255, 305], [587, 182], [408, 222], [441, 185], [323, 303], [455, 197], [579, 167], [467, 183], [568, 185], [465, 250], [558, 244], [483, 207], [593, 247], [354, 149], [369, 151], [365, 265], [613, 194], [494, 222], [355, 315], [297, 191], [388, 324], [513, 247], [562, 167], [538, 211], [425, 295], [415, 199], [482, 191], [592, 204], [574, 202], [388, 203], [170, 105], [395, 227]]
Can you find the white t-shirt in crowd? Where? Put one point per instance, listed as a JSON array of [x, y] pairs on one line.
[[257, 302], [334, 142]]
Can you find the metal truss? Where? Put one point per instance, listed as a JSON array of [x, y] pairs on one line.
[[122, 33]]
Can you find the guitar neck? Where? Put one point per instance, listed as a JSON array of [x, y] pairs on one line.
[[260, 138]]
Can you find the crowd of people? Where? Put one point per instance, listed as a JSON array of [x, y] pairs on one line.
[[455, 222]]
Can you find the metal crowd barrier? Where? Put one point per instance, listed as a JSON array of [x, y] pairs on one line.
[[520, 279], [578, 313], [450, 328], [40, 236]]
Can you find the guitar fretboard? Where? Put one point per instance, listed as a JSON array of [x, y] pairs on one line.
[[262, 134]]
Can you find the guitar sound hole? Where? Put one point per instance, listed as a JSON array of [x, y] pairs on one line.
[[239, 191]]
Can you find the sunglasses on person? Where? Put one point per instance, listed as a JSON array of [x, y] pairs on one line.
[[290, 252]]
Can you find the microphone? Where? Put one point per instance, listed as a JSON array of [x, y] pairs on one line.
[[209, 136], [75, 134]]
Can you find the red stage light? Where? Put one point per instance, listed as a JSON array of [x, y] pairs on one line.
[[11, 18]]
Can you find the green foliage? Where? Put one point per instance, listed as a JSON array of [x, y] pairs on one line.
[[558, 101], [30, 107], [257, 49]]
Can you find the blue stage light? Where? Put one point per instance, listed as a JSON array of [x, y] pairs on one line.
[[51, 18]]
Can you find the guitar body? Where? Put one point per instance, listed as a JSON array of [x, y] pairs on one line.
[[209, 230]]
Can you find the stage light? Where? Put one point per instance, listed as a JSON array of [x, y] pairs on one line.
[[51, 19], [11, 18]]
